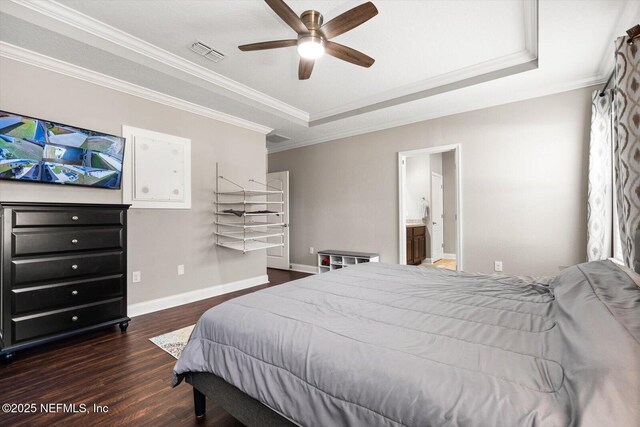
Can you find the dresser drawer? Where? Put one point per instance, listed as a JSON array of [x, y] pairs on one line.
[[66, 294], [80, 216], [29, 241], [38, 325], [62, 267]]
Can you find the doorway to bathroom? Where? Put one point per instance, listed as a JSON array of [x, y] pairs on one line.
[[430, 207]]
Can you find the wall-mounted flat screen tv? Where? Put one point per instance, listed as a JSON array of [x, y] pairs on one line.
[[35, 150]]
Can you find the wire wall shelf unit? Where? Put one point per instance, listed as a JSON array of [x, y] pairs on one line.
[[248, 219]]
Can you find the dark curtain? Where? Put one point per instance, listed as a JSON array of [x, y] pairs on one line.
[[626, 146]]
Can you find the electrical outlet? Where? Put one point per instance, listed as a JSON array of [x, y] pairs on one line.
[[137, 277], [180, 270], [497, 266], [311, 251]]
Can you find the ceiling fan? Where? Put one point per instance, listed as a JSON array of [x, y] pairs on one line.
[[313, 36]]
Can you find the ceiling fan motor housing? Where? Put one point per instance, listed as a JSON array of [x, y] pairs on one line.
[[312, 19]]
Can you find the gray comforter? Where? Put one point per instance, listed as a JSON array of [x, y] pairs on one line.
[[391, 345]]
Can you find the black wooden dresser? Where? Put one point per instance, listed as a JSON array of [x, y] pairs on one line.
[[63, 271]]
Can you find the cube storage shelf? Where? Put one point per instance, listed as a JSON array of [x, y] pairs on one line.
[[329, 260]]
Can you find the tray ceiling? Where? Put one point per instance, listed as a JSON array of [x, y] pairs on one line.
[[411, 41], [429, 54]]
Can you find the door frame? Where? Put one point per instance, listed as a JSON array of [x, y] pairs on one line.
[[431, 210], [286, 238], [402, 237]]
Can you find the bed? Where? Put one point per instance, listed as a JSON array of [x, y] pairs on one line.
[[390, 345]]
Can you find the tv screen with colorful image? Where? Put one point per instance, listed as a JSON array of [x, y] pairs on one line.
[[42, 151]]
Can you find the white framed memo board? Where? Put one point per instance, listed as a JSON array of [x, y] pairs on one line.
[[157, 170]]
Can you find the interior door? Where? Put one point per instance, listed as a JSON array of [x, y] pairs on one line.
[[278, 257], [437, 229]]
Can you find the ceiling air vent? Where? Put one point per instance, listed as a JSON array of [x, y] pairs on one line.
[[205, 51], [275, 138]]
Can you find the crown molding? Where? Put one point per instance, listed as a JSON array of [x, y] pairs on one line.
[[457, 79], [550, 90], [531, 26], [87, 24], [523, 60], [75, 22], [29, 57], [468, 76]]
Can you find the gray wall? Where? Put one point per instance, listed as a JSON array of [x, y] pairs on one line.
[[449, 196], [524, 185], [159, 240]]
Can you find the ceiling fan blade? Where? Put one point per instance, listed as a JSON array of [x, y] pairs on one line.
[[349, 20], [274, 44], [305, 68], [288, 16], [347, 54]]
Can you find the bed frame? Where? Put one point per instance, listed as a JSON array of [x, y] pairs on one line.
[[240, 405]]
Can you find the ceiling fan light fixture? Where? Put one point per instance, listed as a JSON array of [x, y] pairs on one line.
[[314, 36], [311, 47]]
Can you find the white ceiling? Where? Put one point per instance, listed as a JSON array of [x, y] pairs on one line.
[[409, 40], [432, 57]]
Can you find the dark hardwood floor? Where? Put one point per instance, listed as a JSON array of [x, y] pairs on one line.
[[125, 372]]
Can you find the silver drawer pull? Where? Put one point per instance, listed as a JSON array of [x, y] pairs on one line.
[[74, 292], [74, 267], [74, 241], [74, 319], [74, 218]]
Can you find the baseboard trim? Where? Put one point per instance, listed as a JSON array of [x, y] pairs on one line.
[[303, 268], [158, 304]]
